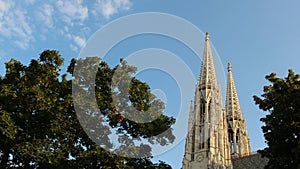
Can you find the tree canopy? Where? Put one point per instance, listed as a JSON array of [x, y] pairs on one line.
[[282, 124], [39, 127]]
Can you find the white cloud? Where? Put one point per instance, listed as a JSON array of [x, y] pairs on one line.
[[73, 48], [110, 7], [23, 44], [23, 22], [45, 15], [4, 7], [123, 4], [79, 41], [14, 24], [72, 10]]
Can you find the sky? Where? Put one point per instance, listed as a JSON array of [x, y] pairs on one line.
[[256, 37]]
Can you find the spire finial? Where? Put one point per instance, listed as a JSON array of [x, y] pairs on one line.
[[207, 37], [229, 67]]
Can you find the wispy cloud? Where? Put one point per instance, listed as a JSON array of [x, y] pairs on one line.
[[110, 7], [14, 24], [45, 13], [72, 10], [79, 41], [4, 7], [24, 22]]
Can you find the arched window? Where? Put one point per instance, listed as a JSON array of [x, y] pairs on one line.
[[209, 111], [237, 139], [230, 136], [202, 111], [202, 119]]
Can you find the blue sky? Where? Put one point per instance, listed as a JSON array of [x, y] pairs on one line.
[[257, 37]]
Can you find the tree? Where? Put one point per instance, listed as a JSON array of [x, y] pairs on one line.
[[39, 127], [282, 125]]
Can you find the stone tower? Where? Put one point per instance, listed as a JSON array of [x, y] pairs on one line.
[[237, 130], [214, 136]]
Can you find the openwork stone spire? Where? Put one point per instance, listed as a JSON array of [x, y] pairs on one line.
[[207, 143], [237, 130], [207, 74], [215, 135]]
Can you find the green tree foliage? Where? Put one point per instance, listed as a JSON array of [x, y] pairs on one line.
[[39, 127], [282, 125]]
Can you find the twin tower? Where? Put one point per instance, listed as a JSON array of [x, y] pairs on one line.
[[215, 135]]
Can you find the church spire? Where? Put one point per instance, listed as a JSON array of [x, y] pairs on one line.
[[215, 135], [238, 136], [207, 73], [206, 143], [232, 101]]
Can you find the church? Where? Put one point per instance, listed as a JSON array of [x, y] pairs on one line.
[[216, 135]]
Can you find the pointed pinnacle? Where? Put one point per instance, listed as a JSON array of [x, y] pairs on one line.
[[207, 37], [229, 67]]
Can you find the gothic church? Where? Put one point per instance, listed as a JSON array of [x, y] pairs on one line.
[[216, 135]]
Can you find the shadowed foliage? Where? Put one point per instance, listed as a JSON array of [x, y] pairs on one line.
[[282, 124], [39, 127]]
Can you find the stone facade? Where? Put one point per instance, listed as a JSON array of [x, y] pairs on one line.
[[254, 161], [216, 135]]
